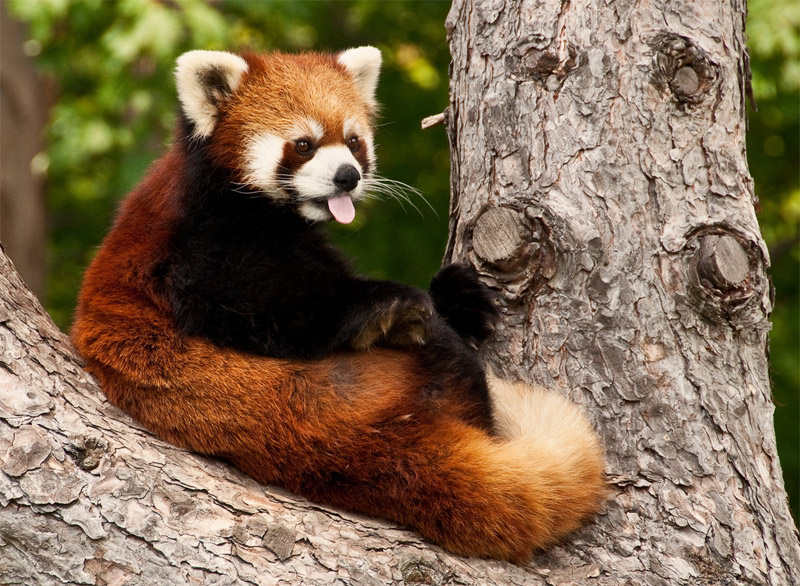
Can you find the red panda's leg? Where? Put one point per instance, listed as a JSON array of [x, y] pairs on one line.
[[453, 370]]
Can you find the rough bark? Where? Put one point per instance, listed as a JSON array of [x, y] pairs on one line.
[[23, 115], [599, 181]]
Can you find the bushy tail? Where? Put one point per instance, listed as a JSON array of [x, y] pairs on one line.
[[562, 451], [539, 481]]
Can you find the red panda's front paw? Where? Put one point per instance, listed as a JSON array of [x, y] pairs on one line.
[[400, 322], [410, 322], [466, 303]]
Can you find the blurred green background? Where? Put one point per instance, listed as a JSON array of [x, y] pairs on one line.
[[110, 66]]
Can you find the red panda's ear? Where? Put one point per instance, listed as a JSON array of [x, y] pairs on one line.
[[204, 78], [364, 64]]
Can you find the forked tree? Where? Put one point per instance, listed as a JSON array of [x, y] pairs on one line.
[[599, 183]]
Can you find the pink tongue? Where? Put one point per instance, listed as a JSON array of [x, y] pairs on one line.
[[342, 209]]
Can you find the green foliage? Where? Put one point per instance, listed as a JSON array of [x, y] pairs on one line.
[[773, 148], [114, 61]]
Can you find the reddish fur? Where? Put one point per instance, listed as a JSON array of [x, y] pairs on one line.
[[406, 457], [311, 85]]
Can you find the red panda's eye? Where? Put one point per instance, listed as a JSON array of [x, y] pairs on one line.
[[353, 144], [304, 147]]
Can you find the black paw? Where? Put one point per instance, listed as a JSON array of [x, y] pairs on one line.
[[467, 304], [399, 320]]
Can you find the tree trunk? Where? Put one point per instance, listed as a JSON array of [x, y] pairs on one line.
[[599, 181], [23, 114]]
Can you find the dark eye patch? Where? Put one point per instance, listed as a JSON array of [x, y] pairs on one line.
[[360, 155], [291, 161]]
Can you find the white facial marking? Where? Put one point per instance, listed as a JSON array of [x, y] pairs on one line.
[[314, 212], [306, 128], [317, 132], [314, 180], [352, 127], [264, 154], [370, 150]]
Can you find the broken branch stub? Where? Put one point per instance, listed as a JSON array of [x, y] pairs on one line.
[[512, 249]]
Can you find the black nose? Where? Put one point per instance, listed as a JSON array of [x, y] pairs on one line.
[[347, 177]]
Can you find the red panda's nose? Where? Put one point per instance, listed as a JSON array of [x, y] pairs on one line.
[[346, 177]]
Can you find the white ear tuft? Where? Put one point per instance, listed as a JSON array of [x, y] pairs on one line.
[[364, 64], [204, 78]]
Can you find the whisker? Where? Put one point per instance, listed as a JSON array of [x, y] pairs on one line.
[[397, 190], [374, 187], [401, 199]]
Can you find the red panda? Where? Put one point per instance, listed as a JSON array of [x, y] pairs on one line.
[[218, 315]]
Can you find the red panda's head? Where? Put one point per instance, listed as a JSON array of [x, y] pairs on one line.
[[297, 128]]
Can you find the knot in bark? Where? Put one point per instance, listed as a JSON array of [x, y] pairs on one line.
[[534, 60], [727, 277], [722, 262], [683, 68], [513, 249], [87, 451]]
